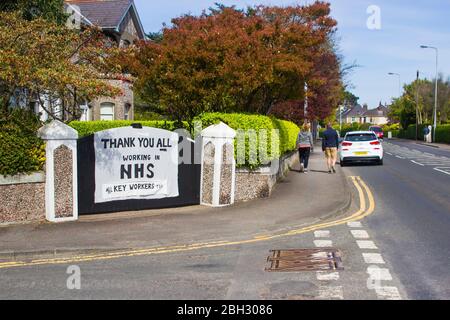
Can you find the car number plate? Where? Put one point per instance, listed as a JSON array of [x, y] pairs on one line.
[[361, 153]]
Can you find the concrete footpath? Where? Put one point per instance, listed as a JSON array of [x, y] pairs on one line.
[[300, 200]]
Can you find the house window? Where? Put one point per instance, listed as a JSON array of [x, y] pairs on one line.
[[353, 119], [127, 111], [107, 111]]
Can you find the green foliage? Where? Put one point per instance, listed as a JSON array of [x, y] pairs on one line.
[[443, 133], [268, 147], [87, 128], [51, 10], [21, 151]]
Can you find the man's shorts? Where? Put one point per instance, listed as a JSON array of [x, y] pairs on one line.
[[331, 153]]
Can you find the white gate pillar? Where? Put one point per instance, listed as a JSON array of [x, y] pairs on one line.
[[61, 184], [218, 177]]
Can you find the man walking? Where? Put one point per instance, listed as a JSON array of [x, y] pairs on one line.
[[330, 144]]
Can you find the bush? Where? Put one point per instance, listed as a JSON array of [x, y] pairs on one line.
[[443, 133], [87, 128], [287, 134], [21, 151]]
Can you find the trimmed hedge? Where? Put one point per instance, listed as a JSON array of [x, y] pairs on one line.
[[21, 151], [285, 139], [254, 157], [87, 128], [443, 133]]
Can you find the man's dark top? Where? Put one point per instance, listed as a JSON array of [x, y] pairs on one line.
[[330, 139]]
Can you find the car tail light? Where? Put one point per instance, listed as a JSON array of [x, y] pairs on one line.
[[375, 143], [346, 144]]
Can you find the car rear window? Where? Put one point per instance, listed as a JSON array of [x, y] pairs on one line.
[[376, 129], [355, 137]]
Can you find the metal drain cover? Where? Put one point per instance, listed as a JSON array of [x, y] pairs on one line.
[[304, 260]]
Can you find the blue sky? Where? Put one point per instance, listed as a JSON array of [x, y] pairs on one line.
[[405, 25]]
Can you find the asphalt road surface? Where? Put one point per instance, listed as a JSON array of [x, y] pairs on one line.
[[400, 251], [412, 220]]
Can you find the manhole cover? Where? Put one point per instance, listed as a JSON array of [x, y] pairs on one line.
[[304, 260]]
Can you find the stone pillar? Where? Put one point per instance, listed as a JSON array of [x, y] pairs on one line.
[[218, 166], [61, 188]]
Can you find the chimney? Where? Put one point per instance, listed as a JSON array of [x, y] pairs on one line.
[[365, 107]]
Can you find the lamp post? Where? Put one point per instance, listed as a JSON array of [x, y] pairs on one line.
[[436, 89], [417, 106], [399, 82]]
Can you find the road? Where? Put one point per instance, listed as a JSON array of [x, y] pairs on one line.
[[399, 250]]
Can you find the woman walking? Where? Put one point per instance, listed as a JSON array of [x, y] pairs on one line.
[[305, 146]]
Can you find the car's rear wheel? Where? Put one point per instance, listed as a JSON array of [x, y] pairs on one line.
[[343, 164], [380, 162]]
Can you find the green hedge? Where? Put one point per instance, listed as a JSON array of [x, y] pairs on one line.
[[87, 128], [21, 151], [442, 133], [287, 133]]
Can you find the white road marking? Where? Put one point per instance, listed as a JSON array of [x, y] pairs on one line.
[[360, 234], [443, 170], [373, 258], [322, 234], [323, 243], [327, 293], [366, 244], [388, 293], [399, 157], [327, 276], [379, 274], [418, 163], [355, 224], [389, 153]]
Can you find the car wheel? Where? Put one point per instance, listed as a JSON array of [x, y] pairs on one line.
[[342, 162], [380, 162]]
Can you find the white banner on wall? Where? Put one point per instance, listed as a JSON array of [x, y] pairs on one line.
[[135, 164]]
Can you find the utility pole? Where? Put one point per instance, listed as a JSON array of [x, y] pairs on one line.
[[417, 106], [436, 90]]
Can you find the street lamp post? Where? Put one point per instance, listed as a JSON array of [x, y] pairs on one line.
[[417, 106], [436, 89], [399, 82]]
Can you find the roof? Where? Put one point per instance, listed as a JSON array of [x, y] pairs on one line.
[[107, 14], [355, 111], [358, 111], [381, 111]]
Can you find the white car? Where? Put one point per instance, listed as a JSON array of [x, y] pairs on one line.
[[361, 146]]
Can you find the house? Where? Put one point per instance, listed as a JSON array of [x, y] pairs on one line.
[[362, 114], [119, 20]]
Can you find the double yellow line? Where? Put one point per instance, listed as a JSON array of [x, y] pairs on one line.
[[366, 207]]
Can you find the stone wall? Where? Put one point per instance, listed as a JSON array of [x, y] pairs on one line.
[[22, 198], [259, 183]]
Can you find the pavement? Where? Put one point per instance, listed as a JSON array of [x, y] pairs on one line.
[[295, 203]]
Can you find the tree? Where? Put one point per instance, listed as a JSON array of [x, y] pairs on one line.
[[49, 64], [235, 60], [50, 10]]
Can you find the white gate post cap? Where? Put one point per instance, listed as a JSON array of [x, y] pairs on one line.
[[56, 130], [220, 130]]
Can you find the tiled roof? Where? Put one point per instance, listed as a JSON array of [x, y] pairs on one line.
[[103, 13]]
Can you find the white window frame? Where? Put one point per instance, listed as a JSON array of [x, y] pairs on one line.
[[104, 114]]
